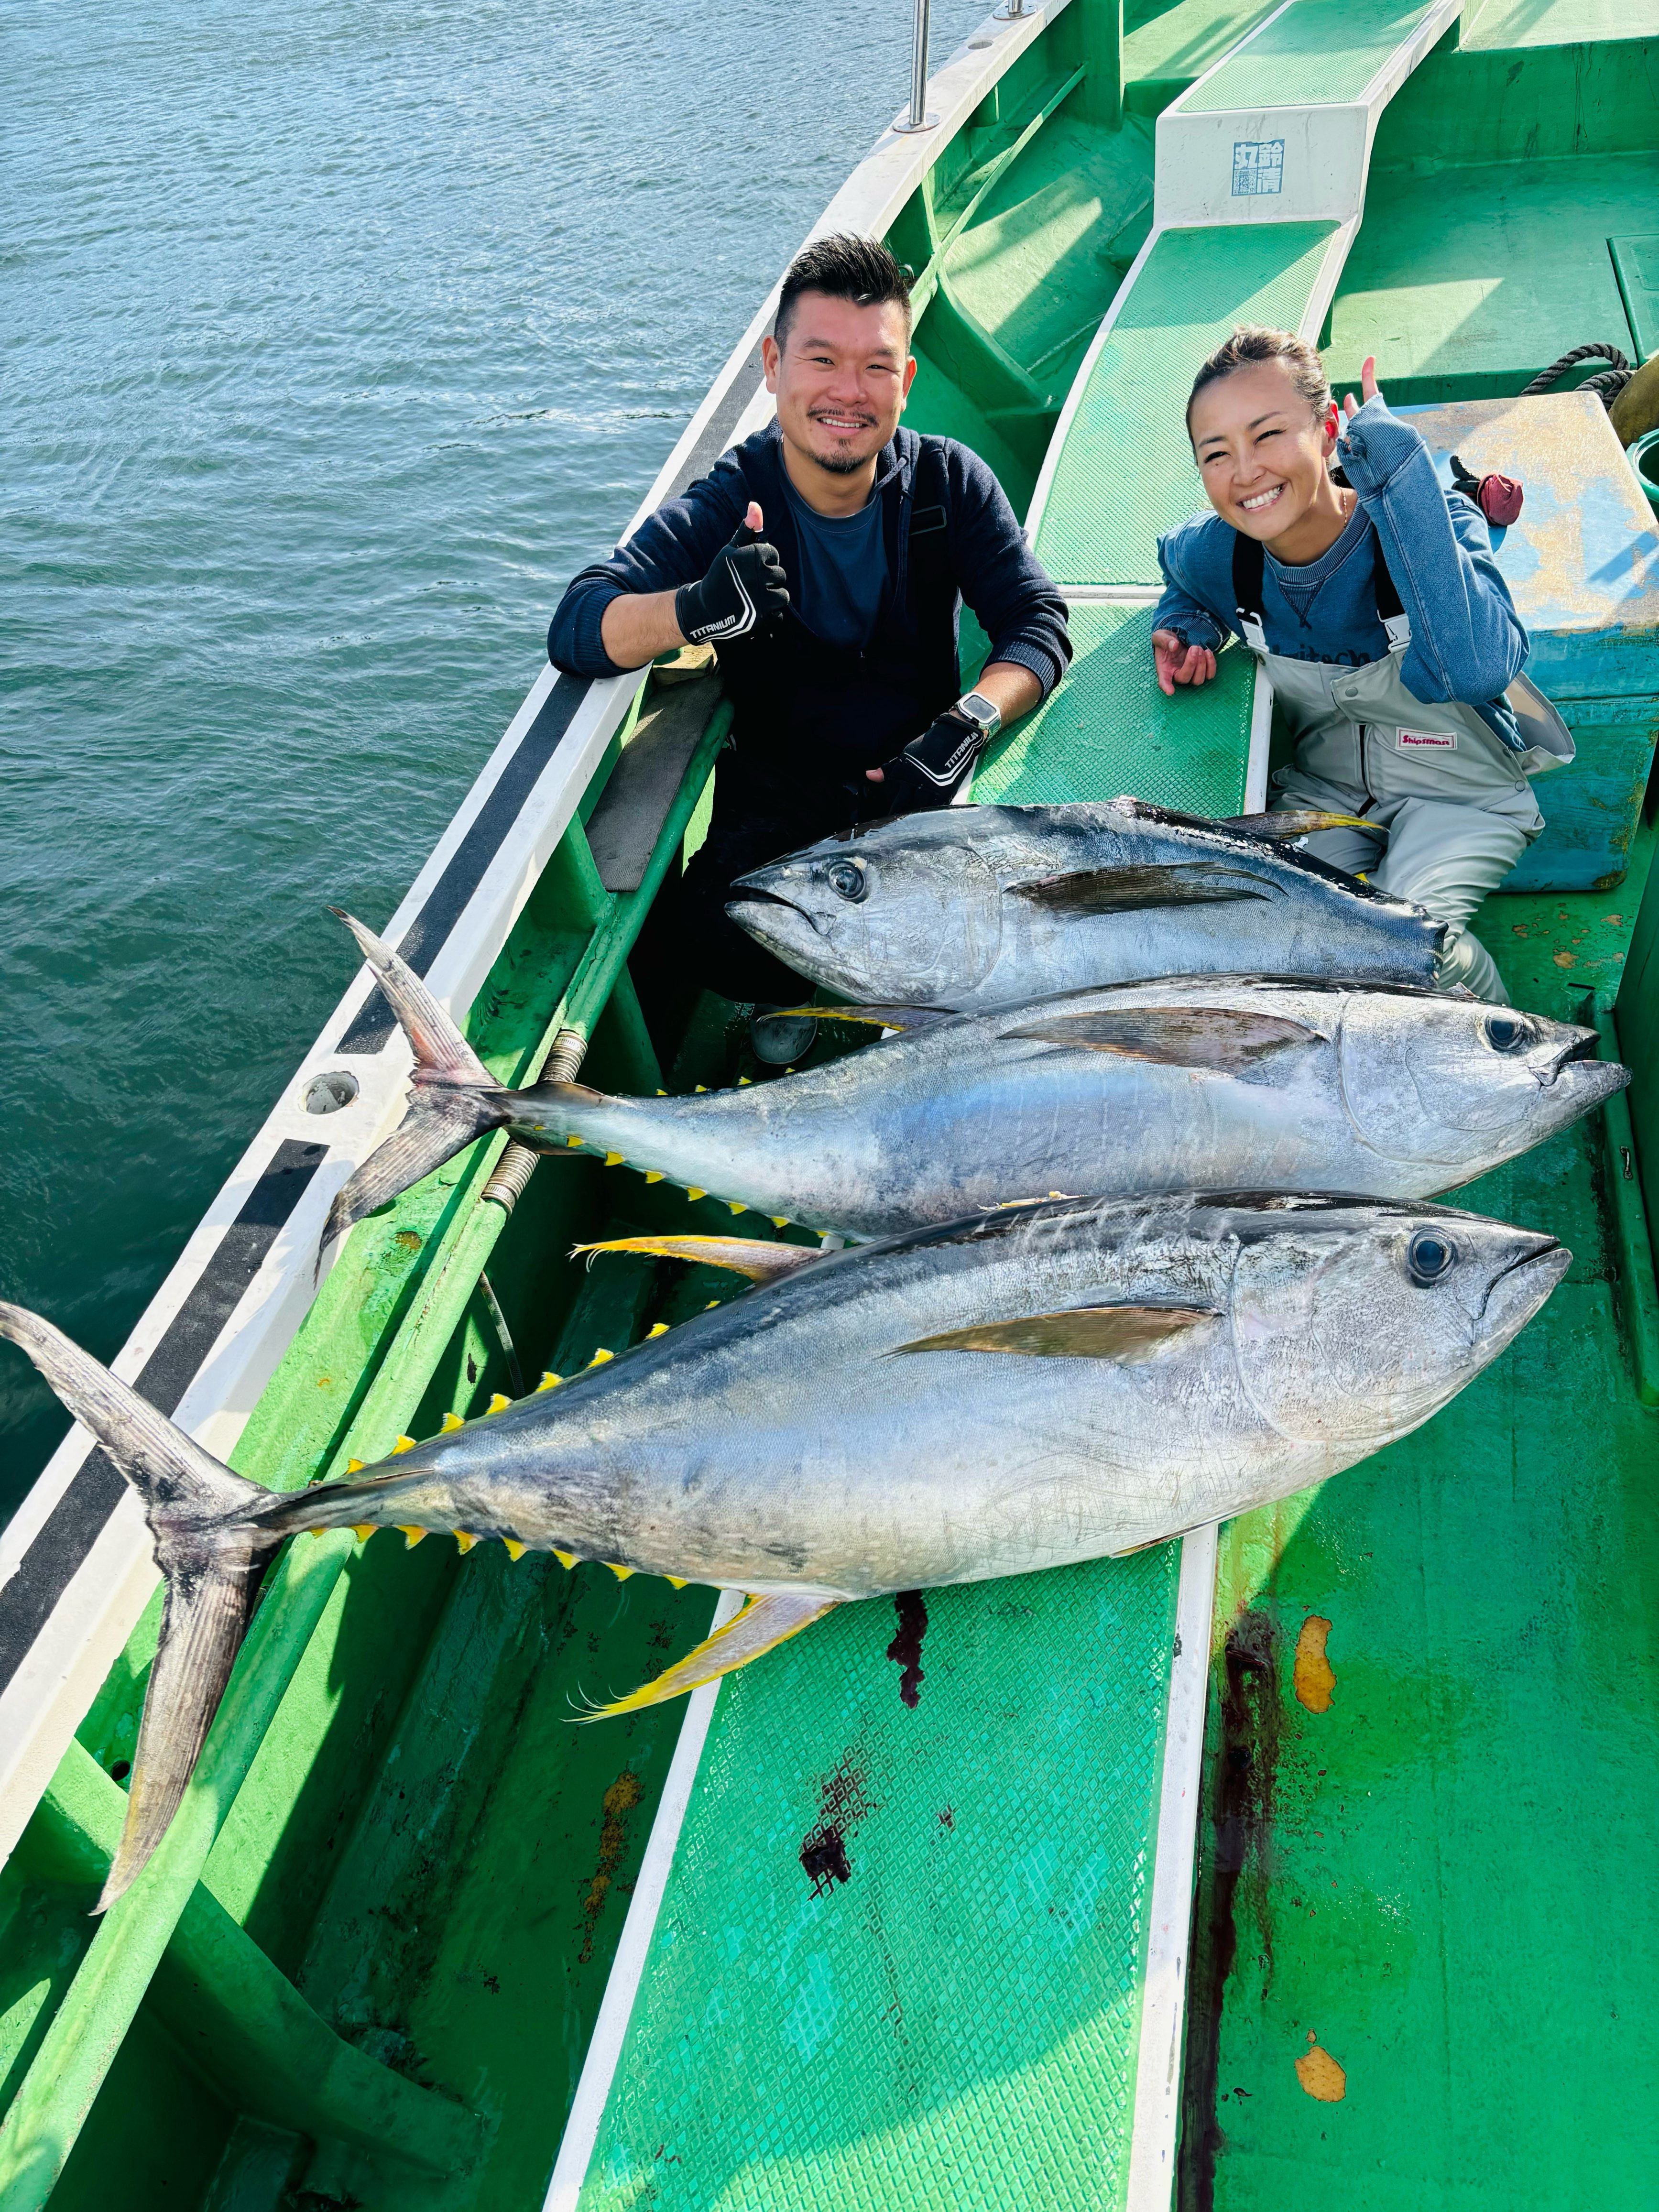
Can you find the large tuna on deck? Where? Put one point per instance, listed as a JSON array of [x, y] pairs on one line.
[[1191, 1084], [983, 906], [1038, 1386]]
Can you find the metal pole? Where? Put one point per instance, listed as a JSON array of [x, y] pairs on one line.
[[919, 117]]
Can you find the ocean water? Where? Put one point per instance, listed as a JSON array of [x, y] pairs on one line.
[[337, 334]]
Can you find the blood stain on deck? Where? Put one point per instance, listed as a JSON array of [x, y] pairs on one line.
[[842, 1804], [905, 1650]]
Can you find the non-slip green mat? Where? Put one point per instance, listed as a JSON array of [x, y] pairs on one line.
[[1108, 730], [1313, 55], [1126, 471], [899, 1956]]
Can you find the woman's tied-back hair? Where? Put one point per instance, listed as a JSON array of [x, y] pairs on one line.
[[1253, 342], [861, 270]]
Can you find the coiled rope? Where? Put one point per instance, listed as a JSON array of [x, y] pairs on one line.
[[1607, 386]]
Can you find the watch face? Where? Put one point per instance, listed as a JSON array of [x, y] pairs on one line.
[[975, 704]]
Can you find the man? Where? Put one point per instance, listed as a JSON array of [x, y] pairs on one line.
[[827, 559]]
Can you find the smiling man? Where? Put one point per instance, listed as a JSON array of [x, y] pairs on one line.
[[827, 559]]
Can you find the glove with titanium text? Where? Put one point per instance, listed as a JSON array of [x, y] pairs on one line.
[[931, 767], [746, 585]]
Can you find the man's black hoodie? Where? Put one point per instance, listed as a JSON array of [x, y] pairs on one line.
[[809, 714]]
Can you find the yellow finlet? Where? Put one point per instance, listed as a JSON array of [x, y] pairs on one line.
[[620, 1573], [613, 1159], [566, 1559], [316, 1532], [362, 1530], [572, 1141], [658, 1328], [514, 1549], [403, 1444], [737, 1205], [675, 1581], [662, 1094], [711, 1305], [779, 1220], [692, 1191], [464, 1538], [451, 1421], [600, 1356], [410, 1536], [498, 1403], [653, 1174], [744, 1079], [701, 1088], [354, 1465], [549, 1381]]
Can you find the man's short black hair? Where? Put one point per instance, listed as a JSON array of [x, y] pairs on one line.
[[861, 270]]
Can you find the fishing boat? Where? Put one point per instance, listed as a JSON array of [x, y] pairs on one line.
[[1273, 1864]]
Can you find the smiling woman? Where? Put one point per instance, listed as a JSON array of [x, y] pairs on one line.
[[1372, 600]]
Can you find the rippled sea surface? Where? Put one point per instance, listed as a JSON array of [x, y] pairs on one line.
[[335, 335]]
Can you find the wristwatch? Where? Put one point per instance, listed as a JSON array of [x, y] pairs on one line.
[[986, 717]]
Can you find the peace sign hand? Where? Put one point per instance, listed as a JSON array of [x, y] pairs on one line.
[[1351, 406]]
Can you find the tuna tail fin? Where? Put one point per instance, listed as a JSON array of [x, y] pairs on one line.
[[454, 1097], [209, 1550], [440, 1121], [764, 1623], [441, 1053]]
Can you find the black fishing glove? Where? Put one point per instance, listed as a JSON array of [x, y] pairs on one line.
[[746, 585], [931, 767]]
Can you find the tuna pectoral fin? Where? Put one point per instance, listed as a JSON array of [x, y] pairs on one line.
[[201, 1517], [1125, 1333], [760, 1262], [764, 1622], [1227, 1039], [1123, 891], [1294, 821], [881, 1017], [441, 1120], [439, 1048]]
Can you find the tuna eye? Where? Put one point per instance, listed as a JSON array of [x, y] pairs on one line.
[[1505, 1034], [845, 879], [1428, 1255]]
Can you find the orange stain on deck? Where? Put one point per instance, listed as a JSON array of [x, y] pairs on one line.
[[1315, 1677], [1320, 2075]]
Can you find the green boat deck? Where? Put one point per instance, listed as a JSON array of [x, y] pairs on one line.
[[901, 1946]]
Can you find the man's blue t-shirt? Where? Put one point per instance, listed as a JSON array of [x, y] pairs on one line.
[[843, 571]]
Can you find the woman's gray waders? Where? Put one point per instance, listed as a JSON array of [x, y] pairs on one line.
[[1453, 808]]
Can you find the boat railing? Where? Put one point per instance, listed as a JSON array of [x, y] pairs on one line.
[[56, 2094]]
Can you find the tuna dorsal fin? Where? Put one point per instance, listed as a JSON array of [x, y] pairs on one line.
[[1225, 1039], [764, 1623], [1125, 1333], [760, 1262], [1294, 821], [1123, 891]]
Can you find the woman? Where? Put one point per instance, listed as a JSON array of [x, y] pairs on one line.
[[1376, 606]]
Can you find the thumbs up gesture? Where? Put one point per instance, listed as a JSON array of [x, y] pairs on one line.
[[745, 585]]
